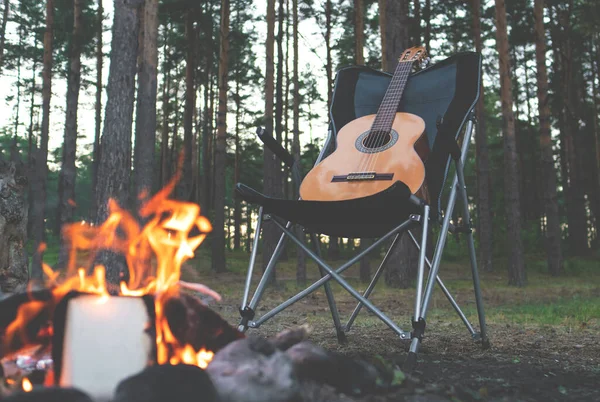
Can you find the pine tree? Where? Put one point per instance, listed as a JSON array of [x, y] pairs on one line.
[[98, 107], [271, 165], [41, 162], [114, 166], [3, 30], [185, 190], [516, 266], [218, 242], [145, 122], [553, 232], [484, 207], [66, 184]]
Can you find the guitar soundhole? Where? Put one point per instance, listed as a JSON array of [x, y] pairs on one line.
[[372, 142], [376, 140]]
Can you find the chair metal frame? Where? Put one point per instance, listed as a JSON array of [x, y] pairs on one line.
[[424, 290]]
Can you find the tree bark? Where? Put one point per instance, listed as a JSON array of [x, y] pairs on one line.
[[218, 235], [98, 106], [484, 204], [417, 22], [13, 231], [576, 213], [207, 130], [41, 163], [394, 26], [145, 122], [166, 95], [68, 174], [271, 165], [359, 32], [114, 167], [427, 18], [190, 101], [3, 31], [301, 257], [516, 266], [237, 215], [553, 233]]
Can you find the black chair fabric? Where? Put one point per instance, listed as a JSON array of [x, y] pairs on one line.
[[442, 95], [371, 216]]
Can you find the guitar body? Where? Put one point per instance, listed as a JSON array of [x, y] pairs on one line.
[[399, 156]]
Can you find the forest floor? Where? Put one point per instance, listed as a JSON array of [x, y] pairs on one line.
[[545, 337]]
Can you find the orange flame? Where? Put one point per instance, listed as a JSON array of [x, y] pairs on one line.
[[26, 384], [154, 255]]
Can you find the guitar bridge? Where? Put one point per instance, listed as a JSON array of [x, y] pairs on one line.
[[362, 176]]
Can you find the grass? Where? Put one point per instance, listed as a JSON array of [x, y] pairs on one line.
[[572, 299]]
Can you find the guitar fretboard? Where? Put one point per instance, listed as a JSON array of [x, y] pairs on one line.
[[384, 119]]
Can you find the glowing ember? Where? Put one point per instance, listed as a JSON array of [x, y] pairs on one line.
[[154, 255], [26, 384]]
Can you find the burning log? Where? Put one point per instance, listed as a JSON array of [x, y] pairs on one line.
[[193, 323]]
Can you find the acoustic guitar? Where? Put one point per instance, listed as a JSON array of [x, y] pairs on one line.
[[375, 151]]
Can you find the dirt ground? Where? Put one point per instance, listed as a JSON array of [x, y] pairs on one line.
[[527, 362]]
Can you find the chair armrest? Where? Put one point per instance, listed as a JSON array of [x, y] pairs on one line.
[[275, 147]]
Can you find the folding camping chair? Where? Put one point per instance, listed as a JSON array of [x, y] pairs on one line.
[[444, 96]]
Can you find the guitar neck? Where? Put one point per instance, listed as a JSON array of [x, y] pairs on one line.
[[389, 106]]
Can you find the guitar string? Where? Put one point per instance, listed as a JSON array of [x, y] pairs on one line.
[[389, 109], [392, 108], [367, 160]]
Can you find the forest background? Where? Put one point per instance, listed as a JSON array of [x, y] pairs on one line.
[[195, 77]]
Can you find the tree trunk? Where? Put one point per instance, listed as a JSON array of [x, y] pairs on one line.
[[14, 147], [41, 162], [553, 233], [365, 262], [218, 236], [301, 257], [427, 18], [164, 143], [417, 22], [98, 106], [207, 131], [359, 32], [145, 122], [114, 167], [271, 165], [237, 215], [516, 266], [279, 103], [13, 231], [394, 26], [68, 174], [595, 184], [190, 101], [576, 208], [3, 31], [484, 205]]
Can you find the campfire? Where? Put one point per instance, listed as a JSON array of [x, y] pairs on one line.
[[79, 326]]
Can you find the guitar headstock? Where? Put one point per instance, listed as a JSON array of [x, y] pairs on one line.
[[416, 54]]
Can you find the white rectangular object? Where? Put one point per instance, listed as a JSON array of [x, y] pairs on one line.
[[104, 343]]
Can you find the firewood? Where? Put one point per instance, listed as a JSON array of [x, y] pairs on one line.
[[192, 322]]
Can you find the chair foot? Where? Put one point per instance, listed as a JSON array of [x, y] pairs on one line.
[[485, 343], [341, 336], [410, 363]]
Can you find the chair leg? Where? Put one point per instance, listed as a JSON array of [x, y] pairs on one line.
[[418, 322], [247, 311], [330, 298], [373, 282], [485, 342]]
